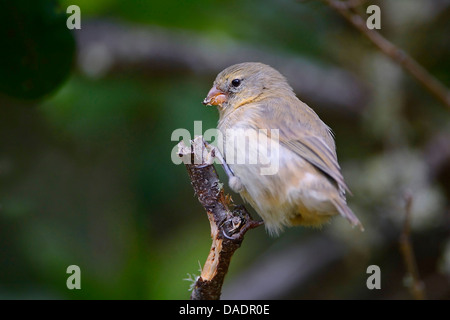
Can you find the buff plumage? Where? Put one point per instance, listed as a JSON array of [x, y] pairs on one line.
[[308, 187]]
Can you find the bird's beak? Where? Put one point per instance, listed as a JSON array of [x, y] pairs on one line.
[[215, 97]]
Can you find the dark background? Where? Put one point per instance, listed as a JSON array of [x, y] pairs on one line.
[[86, 118]]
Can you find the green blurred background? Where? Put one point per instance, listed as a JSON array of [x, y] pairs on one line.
[[86, 118]]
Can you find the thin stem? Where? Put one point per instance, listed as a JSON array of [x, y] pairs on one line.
[[416, 287], [428, 81]]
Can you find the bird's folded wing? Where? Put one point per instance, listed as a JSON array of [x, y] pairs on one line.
[[318, 153], [294, 127]]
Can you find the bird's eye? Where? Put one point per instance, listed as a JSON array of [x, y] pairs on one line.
[[236, 83]]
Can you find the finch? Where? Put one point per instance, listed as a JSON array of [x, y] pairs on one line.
[[308, 187]]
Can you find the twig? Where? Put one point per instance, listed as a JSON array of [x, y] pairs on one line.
[[430, 83], [416, 286], [228, 223]]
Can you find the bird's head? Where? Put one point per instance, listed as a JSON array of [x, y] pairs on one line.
[[244, 83]]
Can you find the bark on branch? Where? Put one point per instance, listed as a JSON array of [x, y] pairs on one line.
[[228, 223]]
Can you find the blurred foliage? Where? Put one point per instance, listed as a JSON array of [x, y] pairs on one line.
[[37, 49], [86, 176]]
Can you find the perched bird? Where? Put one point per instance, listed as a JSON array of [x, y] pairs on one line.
[[307, 187]]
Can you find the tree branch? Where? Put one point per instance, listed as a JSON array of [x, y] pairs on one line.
[[416, 286], [106, 47], [434, 86], [228, 223]]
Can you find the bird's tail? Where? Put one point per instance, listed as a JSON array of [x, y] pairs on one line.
[[347, 213]]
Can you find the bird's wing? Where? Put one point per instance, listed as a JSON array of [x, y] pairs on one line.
[[314, 150], [295, 133]]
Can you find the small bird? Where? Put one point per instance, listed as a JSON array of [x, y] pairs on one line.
[[308, 188]]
